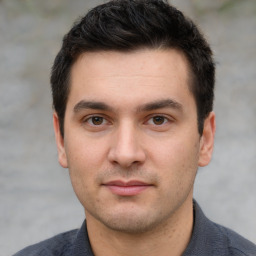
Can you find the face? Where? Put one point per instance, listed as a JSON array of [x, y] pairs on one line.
[[131, 139]]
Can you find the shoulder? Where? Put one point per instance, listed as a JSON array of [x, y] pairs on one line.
[[58, 245], [209, 238], [236, 244]]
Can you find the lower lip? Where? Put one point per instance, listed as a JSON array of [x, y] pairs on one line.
[[127, 190]]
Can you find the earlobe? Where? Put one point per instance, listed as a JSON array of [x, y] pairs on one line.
[[207, 140], [59, 142]]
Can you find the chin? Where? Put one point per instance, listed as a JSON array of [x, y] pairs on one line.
[[131, 223]]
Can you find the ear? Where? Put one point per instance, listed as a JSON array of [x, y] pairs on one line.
[[59, 141], [207, 140]]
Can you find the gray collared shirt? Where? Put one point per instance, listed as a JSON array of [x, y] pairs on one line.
[[208, 239]]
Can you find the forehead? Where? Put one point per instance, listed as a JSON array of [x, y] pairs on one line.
[[144, 74], [146, 61]]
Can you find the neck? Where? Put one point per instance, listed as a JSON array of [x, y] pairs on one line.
[[169, 238]]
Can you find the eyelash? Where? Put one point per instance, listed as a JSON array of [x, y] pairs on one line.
[[162, 117], [89, 120], [150, 120]]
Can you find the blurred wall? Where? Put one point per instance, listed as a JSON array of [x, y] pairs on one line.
[[36, 197]]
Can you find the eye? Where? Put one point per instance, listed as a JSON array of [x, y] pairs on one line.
[[96, 120], [158, 120]]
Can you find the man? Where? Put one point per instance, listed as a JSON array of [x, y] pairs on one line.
[[133, 89]]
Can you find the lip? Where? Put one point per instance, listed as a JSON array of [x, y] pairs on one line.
[[129, 188]]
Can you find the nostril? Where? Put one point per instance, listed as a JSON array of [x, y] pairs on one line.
[[126, 159]]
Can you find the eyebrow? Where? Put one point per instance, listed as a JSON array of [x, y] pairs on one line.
[[81, 105], [165, 103], [97, 105]]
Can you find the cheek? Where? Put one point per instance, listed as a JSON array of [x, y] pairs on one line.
[[177, 161], [85, 159], [85, 153], [170, 152]]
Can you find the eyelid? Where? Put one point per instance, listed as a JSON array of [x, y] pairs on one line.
[[159, 115], [107, 121], [89, 117], [166, 117]]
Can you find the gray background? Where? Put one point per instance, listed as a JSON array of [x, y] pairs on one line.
[[36, 197]]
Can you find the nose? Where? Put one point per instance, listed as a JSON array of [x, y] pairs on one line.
[[126, 150]]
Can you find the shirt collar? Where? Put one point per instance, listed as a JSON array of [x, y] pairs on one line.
[[82, 245], [206, 237]]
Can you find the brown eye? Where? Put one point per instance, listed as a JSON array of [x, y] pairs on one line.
[[158, 120], [96, 120]]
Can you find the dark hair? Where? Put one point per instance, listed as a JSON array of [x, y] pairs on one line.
[[126, 25]]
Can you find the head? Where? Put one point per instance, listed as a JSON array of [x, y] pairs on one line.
[[130, 25], [132, 89]]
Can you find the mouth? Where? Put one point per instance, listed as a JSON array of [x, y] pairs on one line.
[[130, 188]]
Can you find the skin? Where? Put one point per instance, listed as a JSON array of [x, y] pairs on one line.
[[131, 117]]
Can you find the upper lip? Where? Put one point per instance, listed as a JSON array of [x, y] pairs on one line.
[[130, 183]]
